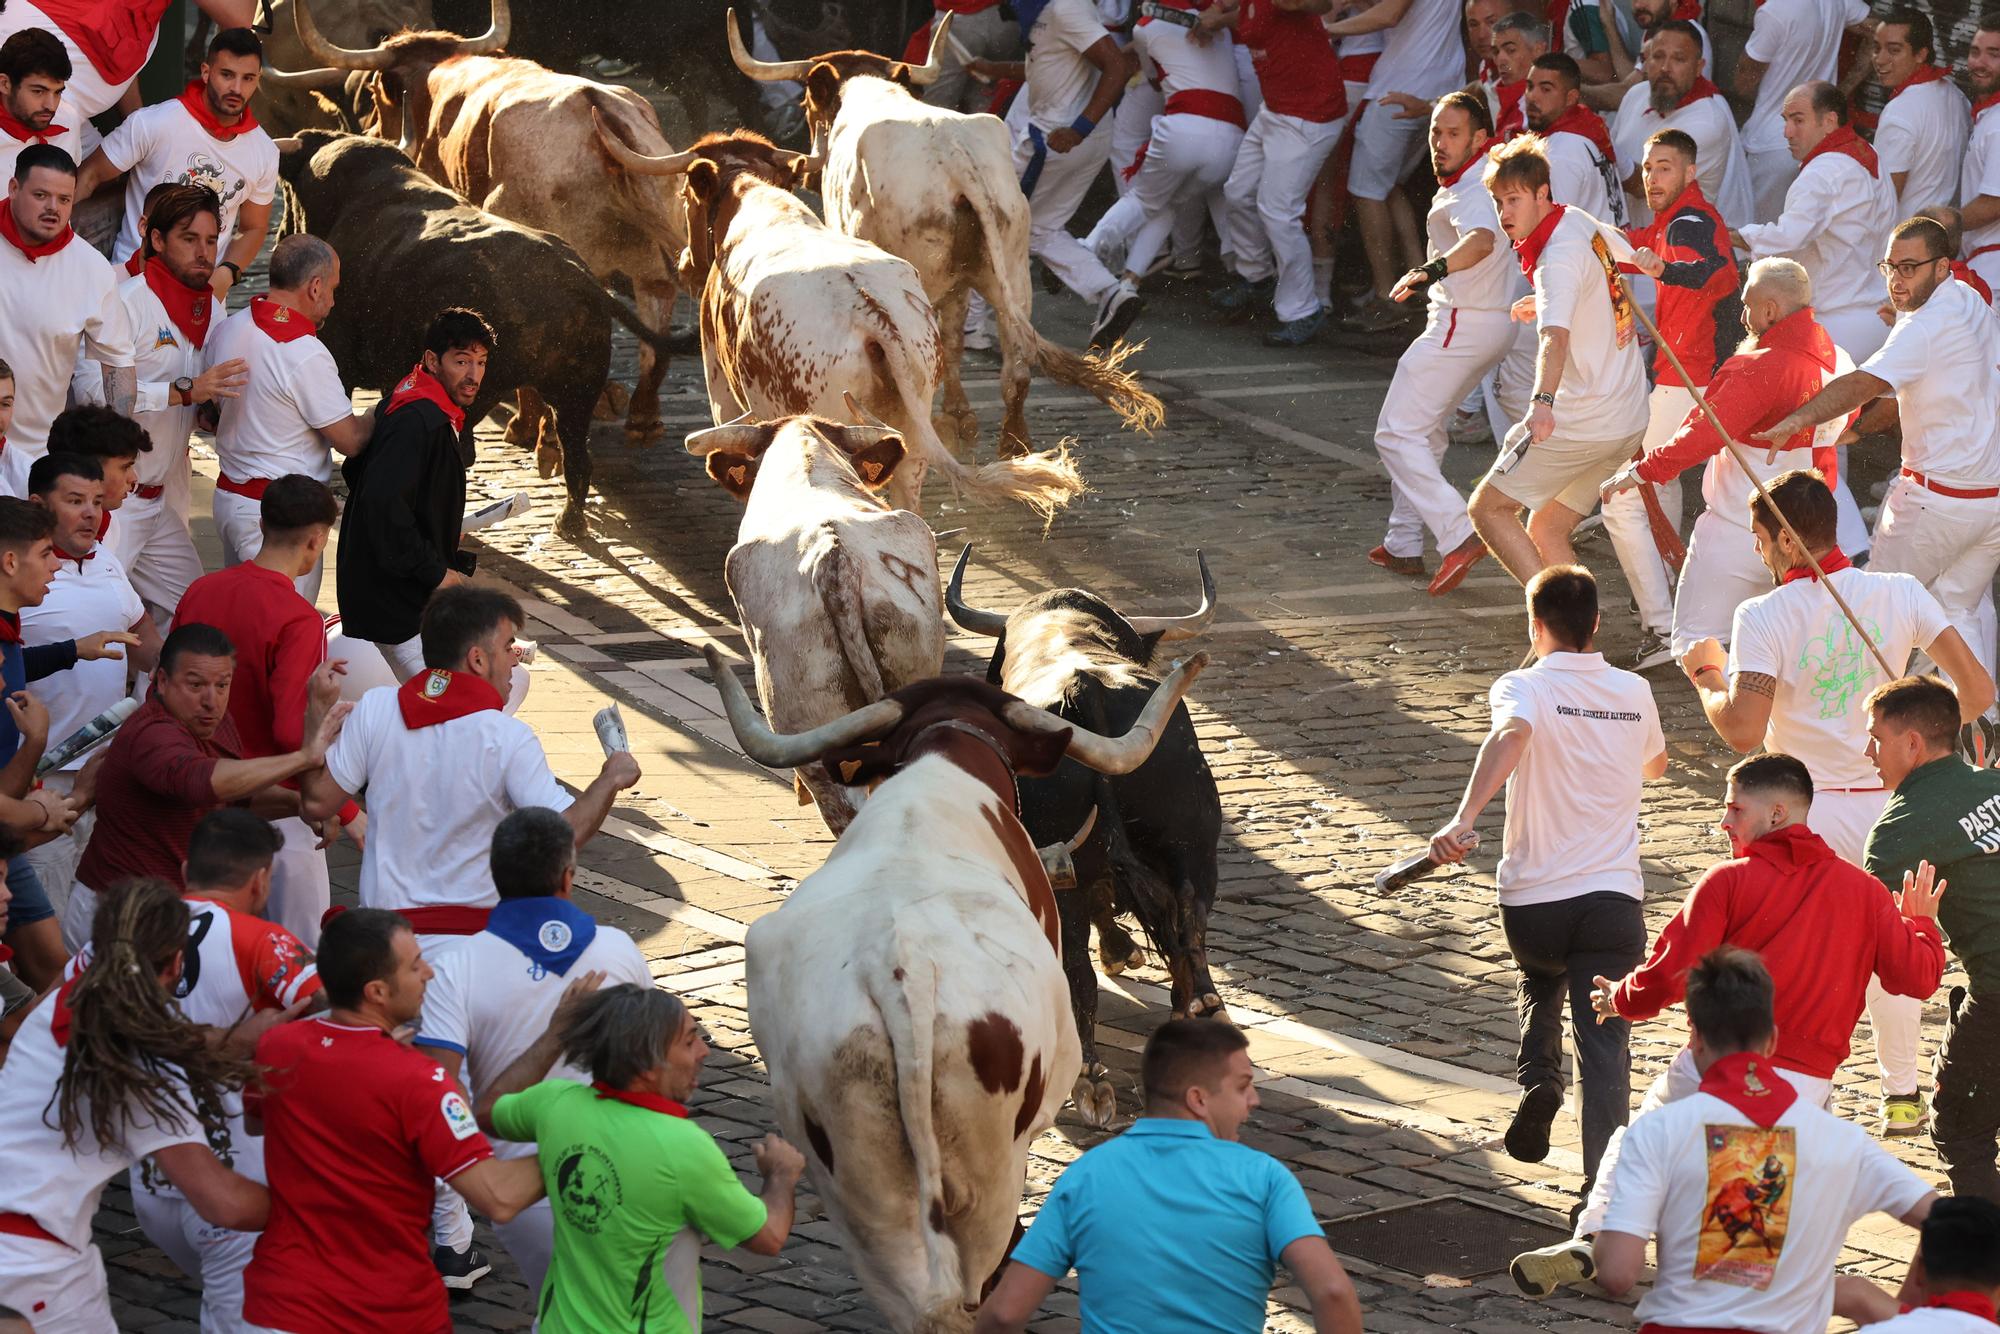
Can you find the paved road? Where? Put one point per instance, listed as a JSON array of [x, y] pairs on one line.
[[1340, 714]]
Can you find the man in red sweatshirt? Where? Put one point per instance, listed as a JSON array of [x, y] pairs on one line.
[[1823, 927]]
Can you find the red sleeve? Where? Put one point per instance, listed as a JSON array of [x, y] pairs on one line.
[[1695, 930], [439, 1122], [170, 762], [1909, 951], [1254, 23], [1736, 403], [277, 969], [300, 649]]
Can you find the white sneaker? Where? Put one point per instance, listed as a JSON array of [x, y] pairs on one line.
[[979, 339], [1121, 305], [1537, 1274]]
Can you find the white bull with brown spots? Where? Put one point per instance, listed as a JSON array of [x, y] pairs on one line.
[[797, 318], [907, 998], [836, 592]]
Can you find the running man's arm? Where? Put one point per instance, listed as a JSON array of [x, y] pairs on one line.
[[1841, 396], [1499, 754], [1472, 248], [1972, 683], [532, 1066], [1013, 1301], [1738, 706], [1620, 1259]]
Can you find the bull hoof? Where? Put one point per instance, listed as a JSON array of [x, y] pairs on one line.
[[612, 403], [548, 460], [1117, 951], [644, 433], [572, 524], [520, 433], [1096, 1101], [1208, 1006]]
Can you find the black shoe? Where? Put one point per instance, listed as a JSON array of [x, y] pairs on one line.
[[1528, 1136], [459, 1270]]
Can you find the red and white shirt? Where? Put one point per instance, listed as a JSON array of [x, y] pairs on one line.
[[165, 352], [1962, 1319], [1197, 75], [1572, 259], [165, 142], [51, 303], [1460, 207], [1704, 116], [293, 391]]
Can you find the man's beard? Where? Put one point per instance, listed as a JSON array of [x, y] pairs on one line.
[[1988, 90], [1664, 96], [1749, 344]]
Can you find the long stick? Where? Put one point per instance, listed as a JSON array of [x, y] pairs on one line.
[[1736, 452]]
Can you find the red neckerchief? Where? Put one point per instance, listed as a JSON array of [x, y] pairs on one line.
[[1801, 332], [1924, 74], [1470, 163], [438, 696], [1987, 102], [1968, 275], [652, 1102], [421, 384], [282, 323], [103, 527], [27, 133], [20, 243], [1654, 235], [60, 1018], [1702, 88], [114, 37], [1969, 1302], [1581, 120], [1836, 559], [1688, 11], [1845, 141], [137, 263], [186, 307], [90, 554], [1513, 119], [10, 627], [194, 97], [1530, 247], [1752, 1085]]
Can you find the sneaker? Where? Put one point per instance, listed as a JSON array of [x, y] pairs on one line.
[[1655, 650], [1904, 1114], [1121, 305], [459, 1270], [1241, 297], [1537, 1274], [1299, 332], [1469, 428], [1528, 1136]]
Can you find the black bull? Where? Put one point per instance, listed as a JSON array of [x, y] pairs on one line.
[[409, 248]]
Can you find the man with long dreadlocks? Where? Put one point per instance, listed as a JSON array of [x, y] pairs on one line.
[[103, 1073]]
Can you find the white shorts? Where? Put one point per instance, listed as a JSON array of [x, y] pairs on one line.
[[59, 1290], [1385, 151]]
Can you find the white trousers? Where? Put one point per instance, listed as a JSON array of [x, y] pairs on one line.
[[1679, 1080], [1771, 174], [1053, 196], [1843, 819], [55, 861], [1721, 573], [405, 659], [240, 522], [76, 916], [1187, 160], [300, 889], [162, 559], [1852, 530], [1265, 204], [215, 1256], [59, 1290], [1132, 124], [1646, 570], [1953, 546], [1457, 350]]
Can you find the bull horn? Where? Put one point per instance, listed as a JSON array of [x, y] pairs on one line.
[[326, 53], [674, 164], [1089, 823], [776, 750], [324, 77], [763, 71], [1120, 754], [1170, 628], [862, 416], [288, 144], [976, 619], [730, 435], [494, 39], [932, 69]]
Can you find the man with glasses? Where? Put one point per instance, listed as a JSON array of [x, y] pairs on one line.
[[1941, 518]]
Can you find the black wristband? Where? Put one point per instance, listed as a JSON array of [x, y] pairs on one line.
[[235, 269], [1437, 269]]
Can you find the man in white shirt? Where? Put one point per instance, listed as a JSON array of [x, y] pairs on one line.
[[1941, 518], [33, 70], [206, 136], [1791, 42], [1979, 183], [1746, 1189], [292, 405], [1794, 680], [109, 44], [1921, 135], [1677, 95], [1588, 412], [1956, 1274], [1574, 740], [57, 296], [495, 992], [1583, 164], [1838, 211]]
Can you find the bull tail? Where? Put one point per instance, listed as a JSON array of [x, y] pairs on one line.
[[621, 310], [838, 585]]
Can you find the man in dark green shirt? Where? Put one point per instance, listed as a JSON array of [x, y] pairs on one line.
[[1947, 813]]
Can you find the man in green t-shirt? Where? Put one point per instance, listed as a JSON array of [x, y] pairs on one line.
[[634, 1184], [1946, 812]]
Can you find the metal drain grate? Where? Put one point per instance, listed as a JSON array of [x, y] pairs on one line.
[[1452, 1236], [648, 650]]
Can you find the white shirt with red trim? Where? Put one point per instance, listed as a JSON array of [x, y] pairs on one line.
[[59, 1187], [1940, 360], [164, 142], [86, 596], [1981, 175], [1582, 177], [86, 94], [1602, 396], [1800, 42], [1923, 132], [1458, 210], [164, 354], [1933, 1320], [1748, 1221], [1836, 222], [434, 795], [69, 141], [48, 306], [293, 391]]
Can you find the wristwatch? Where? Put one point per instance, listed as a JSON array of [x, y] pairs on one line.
[[235, 269], [185, 388], [1546, 400]]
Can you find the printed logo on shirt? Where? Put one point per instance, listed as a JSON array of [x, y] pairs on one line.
[[458, 1116], [1597, 715], [1982, 825], [206, 171], [1621, 305], [554, 936], [1840, 666], [1750, 1177], [587, 1189], [438, 682], [164, 337]]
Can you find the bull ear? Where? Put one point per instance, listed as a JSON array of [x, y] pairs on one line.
[[736, 471], [822, 92], [704, 181], [876, 462]]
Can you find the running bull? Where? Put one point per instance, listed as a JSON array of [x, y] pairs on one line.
[[409, 248], [796, 318], [937, 188], [1153, 850], [907, 998]]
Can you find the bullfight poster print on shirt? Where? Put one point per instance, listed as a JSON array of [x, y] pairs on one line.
[[1749, 1204]]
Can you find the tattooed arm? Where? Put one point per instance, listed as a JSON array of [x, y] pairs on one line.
[[121, 388]]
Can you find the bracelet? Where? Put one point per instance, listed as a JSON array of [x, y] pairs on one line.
[[1083, 125], [1437, 269], [235, 269]]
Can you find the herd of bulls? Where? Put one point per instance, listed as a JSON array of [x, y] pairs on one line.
[[926, 1000]]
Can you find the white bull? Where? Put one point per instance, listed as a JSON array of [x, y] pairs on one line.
[[836, 592], [908, 998]]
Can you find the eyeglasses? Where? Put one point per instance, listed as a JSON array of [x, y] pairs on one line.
[[1909, 268]]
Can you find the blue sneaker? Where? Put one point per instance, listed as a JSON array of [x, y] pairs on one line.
[[1242, 297], [1299, 332]]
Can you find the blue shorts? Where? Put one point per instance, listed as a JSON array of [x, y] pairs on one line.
[[30, 902]]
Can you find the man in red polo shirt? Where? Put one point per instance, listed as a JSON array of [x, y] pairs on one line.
[[280, 643], [177, 759]]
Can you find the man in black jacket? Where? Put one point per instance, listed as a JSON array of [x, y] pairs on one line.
[[406, 495]]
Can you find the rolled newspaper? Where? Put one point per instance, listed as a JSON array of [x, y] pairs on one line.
[[611, 730], [87, 736]]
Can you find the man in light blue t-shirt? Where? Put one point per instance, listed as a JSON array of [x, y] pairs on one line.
[[1173, 1227]]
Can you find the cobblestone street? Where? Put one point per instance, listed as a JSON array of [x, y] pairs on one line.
[[1340, 713]]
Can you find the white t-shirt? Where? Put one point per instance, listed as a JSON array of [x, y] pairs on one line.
[[435, 795], [85, 597], [1573, 800], [164, 355], [1981, 176], [1583, 178], [1933, 1320], [1602, 396], [86, 94], [1423, 56], [49, 306], [1687, 1165], [69, 141], [1800, 41], [1720, 167], [491, 999], [163, 142], [1796, 635], [1178, 65], [1923, 132], [1836, 223], [55, 1186], [293, 390], [1939, 358], [1060, 78], [1457, 210]]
